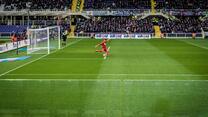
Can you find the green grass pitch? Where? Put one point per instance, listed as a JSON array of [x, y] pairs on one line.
[[140, 78]]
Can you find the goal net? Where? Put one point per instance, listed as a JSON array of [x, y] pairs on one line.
[[43, 40]]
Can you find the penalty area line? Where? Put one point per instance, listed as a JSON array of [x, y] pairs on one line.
[[196, 45], [37, 59]]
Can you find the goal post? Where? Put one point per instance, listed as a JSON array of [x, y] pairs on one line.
[[43, 40], [205, 32]]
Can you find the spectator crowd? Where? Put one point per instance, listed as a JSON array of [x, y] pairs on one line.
[[9, 5], [128, 24], [181, 25], [146, 4], [114, 24], [103, 4], [136, 25]]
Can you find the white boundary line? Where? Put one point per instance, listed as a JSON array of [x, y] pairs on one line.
[[107, 80], [193, 44], [72, 59], [162, 75], [36, 59], [104, 80]]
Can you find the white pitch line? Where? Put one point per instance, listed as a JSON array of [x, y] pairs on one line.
[[22, 65], [104, 80], [187, 75], [72, 59], [193, 44], [36, 59]]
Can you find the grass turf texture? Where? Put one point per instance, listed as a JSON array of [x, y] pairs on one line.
[[145, 78]]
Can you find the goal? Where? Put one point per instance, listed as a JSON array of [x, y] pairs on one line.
[[43, 40]]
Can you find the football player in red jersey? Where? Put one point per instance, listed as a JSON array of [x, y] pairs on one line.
[[104, 49]]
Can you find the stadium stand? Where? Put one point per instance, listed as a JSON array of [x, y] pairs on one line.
[[6, 31], [182, 25], [118, 23], [9, 5], [35, 20], [97, 4], [115, 4], [114, 24], [12, 28], [205, 23], [185, 22], [145, 4], [129, 24]]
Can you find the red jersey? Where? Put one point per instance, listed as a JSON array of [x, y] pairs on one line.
[[104, 45]]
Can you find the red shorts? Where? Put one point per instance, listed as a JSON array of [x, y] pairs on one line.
[[105, 49]]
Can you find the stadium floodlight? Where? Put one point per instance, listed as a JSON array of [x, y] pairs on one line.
[[43, 40]]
